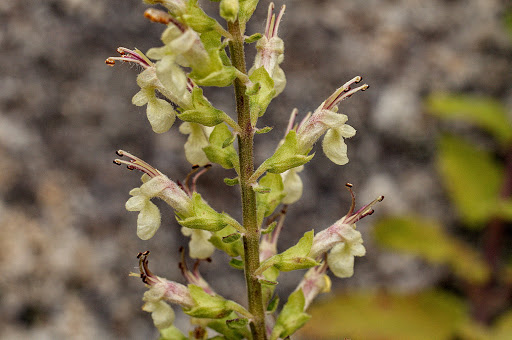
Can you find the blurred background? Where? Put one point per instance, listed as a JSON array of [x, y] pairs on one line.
[[435, 246]]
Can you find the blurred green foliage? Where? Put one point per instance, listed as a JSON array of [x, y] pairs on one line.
[[480, 188]]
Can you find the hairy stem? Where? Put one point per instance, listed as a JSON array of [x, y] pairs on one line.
[[245, 144]]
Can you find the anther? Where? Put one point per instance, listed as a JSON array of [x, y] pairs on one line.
[[110, 62], [348, 185], [195, 166], [116, 162]]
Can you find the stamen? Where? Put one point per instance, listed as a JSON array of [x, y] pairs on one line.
[[196, 177], [343, 92], [353, 204], [272, 22], [270, 19], [190, 85], [136, 163], [145, 273], [186, 186], [364, 211], [129, 56], [291, 121], [304, 120], [278, 20]]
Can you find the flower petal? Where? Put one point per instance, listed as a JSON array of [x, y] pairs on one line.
[[292, 185], [136, 203], [148, 221], [334, 147], [161, 115]]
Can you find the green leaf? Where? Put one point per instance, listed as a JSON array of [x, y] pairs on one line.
[[426, 238], [267, 202], [292, 317], [386, 315], [286, 157], [253, 38], [486, 113], [227, 157], [266, 129], [472, 177], [203, 111], [261, 93]]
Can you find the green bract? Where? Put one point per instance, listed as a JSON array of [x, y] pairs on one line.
[[293, 258], [227, 156], [203, 216], [260, 93], [268, 202], [202, 111], [286, 157], [211, 307]]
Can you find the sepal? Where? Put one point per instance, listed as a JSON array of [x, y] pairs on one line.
[[287, 156], [267, 202], [227, 157], [293, 258], [260, 93], [211, 306], [202, 111], [203, 216]]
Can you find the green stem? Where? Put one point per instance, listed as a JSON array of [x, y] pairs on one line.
[[245, 151]]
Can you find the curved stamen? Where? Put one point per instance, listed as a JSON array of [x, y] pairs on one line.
[[353, 203], [363, 211], [135, 163], [129, 56], [291, 121], [343, 92], [196, 177], [145, 273]]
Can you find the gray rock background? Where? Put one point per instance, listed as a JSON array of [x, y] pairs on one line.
[[67, 242]]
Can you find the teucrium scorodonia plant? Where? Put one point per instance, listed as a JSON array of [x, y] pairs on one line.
[[199, 51]]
